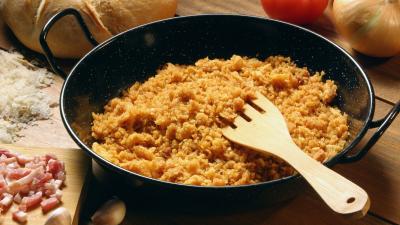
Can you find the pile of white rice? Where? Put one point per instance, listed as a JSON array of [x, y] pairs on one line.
[[22, 100]]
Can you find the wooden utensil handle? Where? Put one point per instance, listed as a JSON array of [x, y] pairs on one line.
[[339, 193]]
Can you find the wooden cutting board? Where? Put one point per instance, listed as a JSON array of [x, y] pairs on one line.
[[77, 166]]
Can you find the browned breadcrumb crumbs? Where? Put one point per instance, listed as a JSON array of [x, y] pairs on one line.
[[169, 127]]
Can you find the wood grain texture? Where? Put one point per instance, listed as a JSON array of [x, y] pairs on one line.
[[384, 73], [377, 172], [77, 168], [248, 7], [306, 209]]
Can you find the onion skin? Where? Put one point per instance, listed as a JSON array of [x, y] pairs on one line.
[[372, 27]]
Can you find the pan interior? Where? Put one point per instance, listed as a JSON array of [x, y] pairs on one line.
[[137, 54]]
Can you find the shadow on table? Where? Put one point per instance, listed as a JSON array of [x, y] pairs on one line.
[[145, 210]]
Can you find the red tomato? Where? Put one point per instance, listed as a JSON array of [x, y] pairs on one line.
[[295, 11]]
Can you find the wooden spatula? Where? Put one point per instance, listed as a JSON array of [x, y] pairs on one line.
[[267, 132]]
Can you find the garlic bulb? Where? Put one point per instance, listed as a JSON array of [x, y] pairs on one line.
[[372, 27]]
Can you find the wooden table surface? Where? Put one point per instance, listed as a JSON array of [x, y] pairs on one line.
[[377, 172]]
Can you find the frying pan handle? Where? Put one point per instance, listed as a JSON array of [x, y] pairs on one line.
[[381, 126], [43, 35]]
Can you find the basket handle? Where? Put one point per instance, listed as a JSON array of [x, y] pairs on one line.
[[43, 35]]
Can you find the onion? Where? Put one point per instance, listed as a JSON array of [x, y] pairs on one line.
[[372, 27]]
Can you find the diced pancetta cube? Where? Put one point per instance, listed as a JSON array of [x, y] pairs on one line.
[[18, 185], [57, 195], [13, 165], [41, 180], [52, 186], [3, 169], [30, 202], [3, 190], [18, 173], [6, 201], [8, 160], [49, 204], [7, 153], [60, 176], [54, 166], [47, 157], [23, 159], [58, 183], [35, 163], [20, 216], [37, 159], [17, 198], [24, 190], [3, 182]]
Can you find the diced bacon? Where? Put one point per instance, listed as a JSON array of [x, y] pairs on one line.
[[6, 202], [7, 153], [17, 198], [24, 190], [54, 166], [18, 185], [58, 183], [34, 165], [58, 194], [18, 173], [49, 204], [3, 169], [30, 202], [47, 157], [3, 182], [23, 159], [49, 192], [41, 180], [13, 165], [30, 182], [60, 176], [38, 159], [20, 216], [50, 187], [3, 190], [8, 160]]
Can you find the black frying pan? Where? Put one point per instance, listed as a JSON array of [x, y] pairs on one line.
[[135, 55]]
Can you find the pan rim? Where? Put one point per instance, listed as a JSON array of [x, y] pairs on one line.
[[356, 139]]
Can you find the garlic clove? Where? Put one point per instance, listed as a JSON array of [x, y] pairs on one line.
[[60, 216], [110, 213]]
